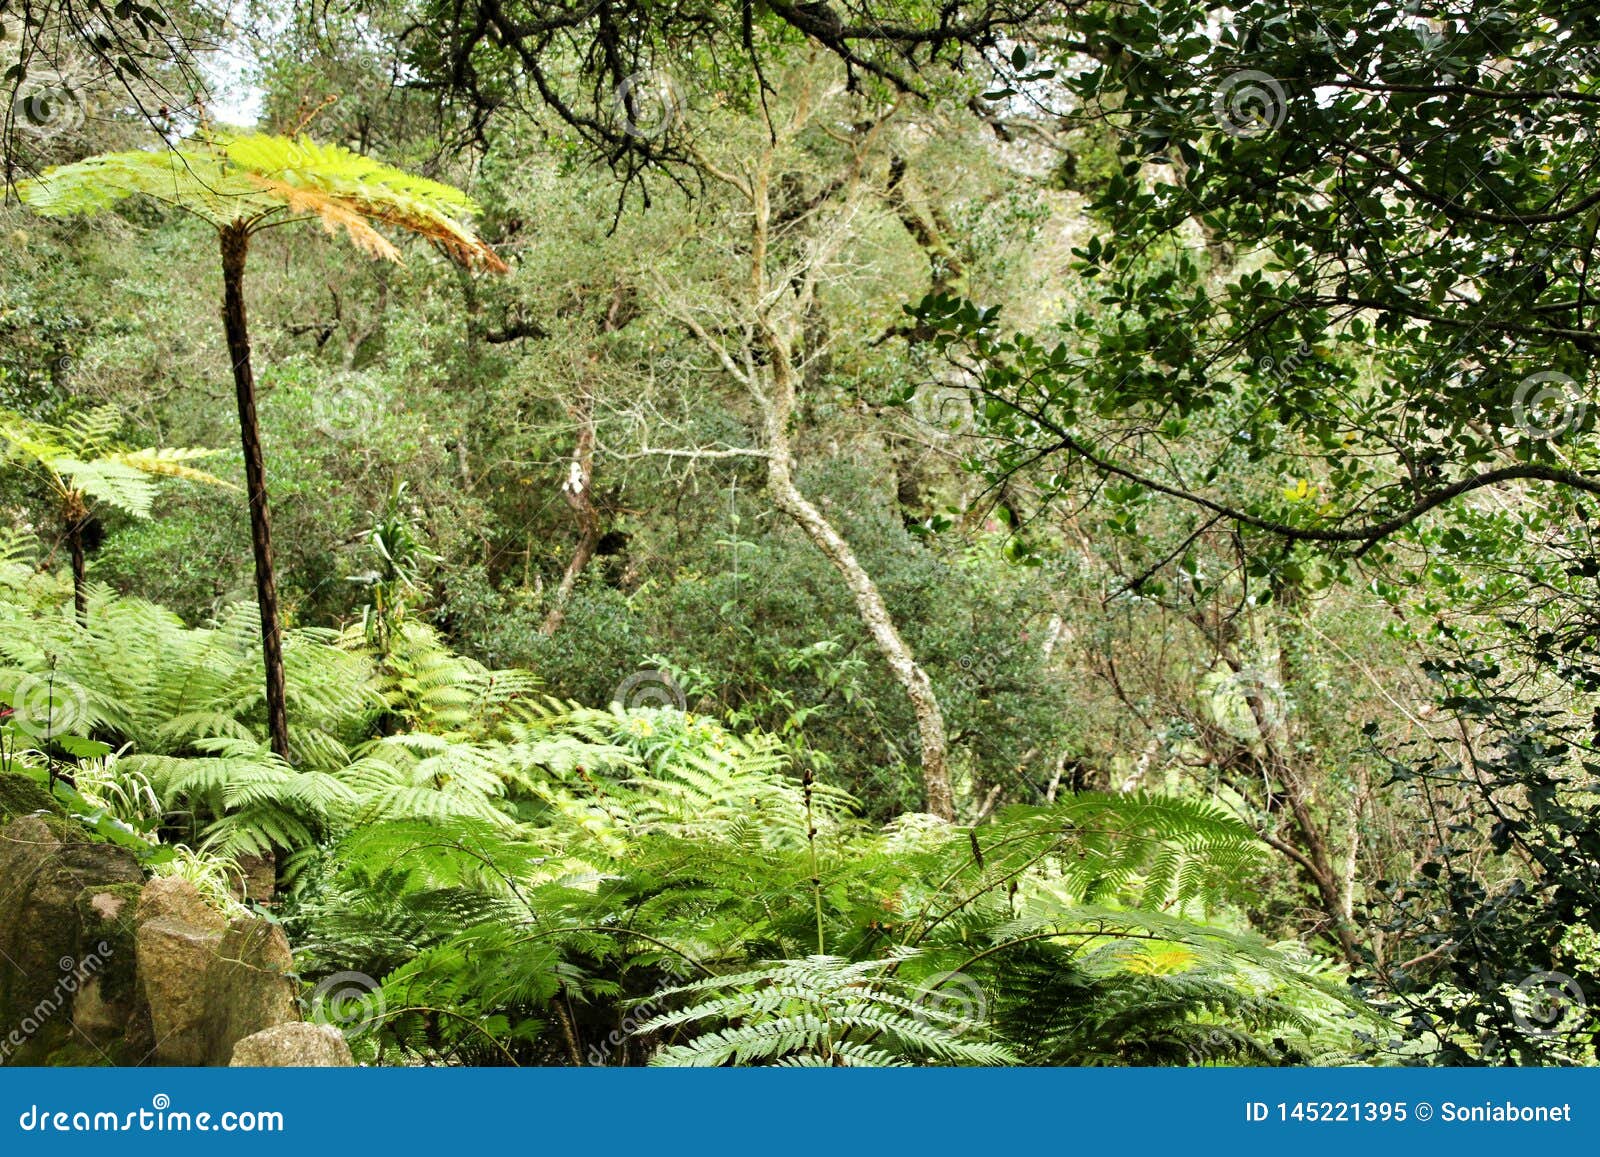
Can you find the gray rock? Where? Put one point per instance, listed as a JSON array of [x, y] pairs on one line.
[[293, 1046], [178, 937], [250, 986]]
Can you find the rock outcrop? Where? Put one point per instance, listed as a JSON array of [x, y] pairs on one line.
[[98, 966], [179, 937], [208, 982], [62, 899]]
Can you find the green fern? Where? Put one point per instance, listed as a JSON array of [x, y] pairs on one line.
[[540, 882], [820, 1011]]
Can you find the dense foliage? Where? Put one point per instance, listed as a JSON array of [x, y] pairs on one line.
[[847, 533]]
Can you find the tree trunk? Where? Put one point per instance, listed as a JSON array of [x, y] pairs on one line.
[[777, 404], [76, 517], [235, 248], [578, 491], [875, 616], [1313, 854]]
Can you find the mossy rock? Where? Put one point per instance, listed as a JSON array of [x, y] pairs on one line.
[[76, 1054], [38, 1042], [46, 866], [21, 795], [108, 959]]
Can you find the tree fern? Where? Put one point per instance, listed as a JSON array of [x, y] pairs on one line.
[[83, 464], [226, 178], [239, 185]]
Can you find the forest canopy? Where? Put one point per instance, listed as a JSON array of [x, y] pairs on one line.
[[865, 532]]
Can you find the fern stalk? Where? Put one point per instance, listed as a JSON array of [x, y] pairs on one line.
[[816, 871]]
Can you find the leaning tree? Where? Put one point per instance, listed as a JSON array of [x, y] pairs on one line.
[[240, 185]]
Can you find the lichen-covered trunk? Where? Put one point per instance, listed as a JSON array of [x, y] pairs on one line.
[[235, 249], [874, 613], [776, 400], [578, 491], [880, 625]]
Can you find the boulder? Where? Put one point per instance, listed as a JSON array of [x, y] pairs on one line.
[[108, 992], [46, 865], [21, 795], [174, 898], [98, 966], [178, 937], [250, 986], [209, 982], [296, 1045]]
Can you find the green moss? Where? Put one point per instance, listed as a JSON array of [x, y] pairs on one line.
[[21, 796], [76, 1054], [117, 931], [42, 1048]]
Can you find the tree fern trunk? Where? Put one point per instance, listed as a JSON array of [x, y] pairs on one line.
[[76, 517], [235, 248]]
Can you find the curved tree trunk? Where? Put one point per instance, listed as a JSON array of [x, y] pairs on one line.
[[235, 248], [777, 405], [578, 491], [875, 616], [776, 331]]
